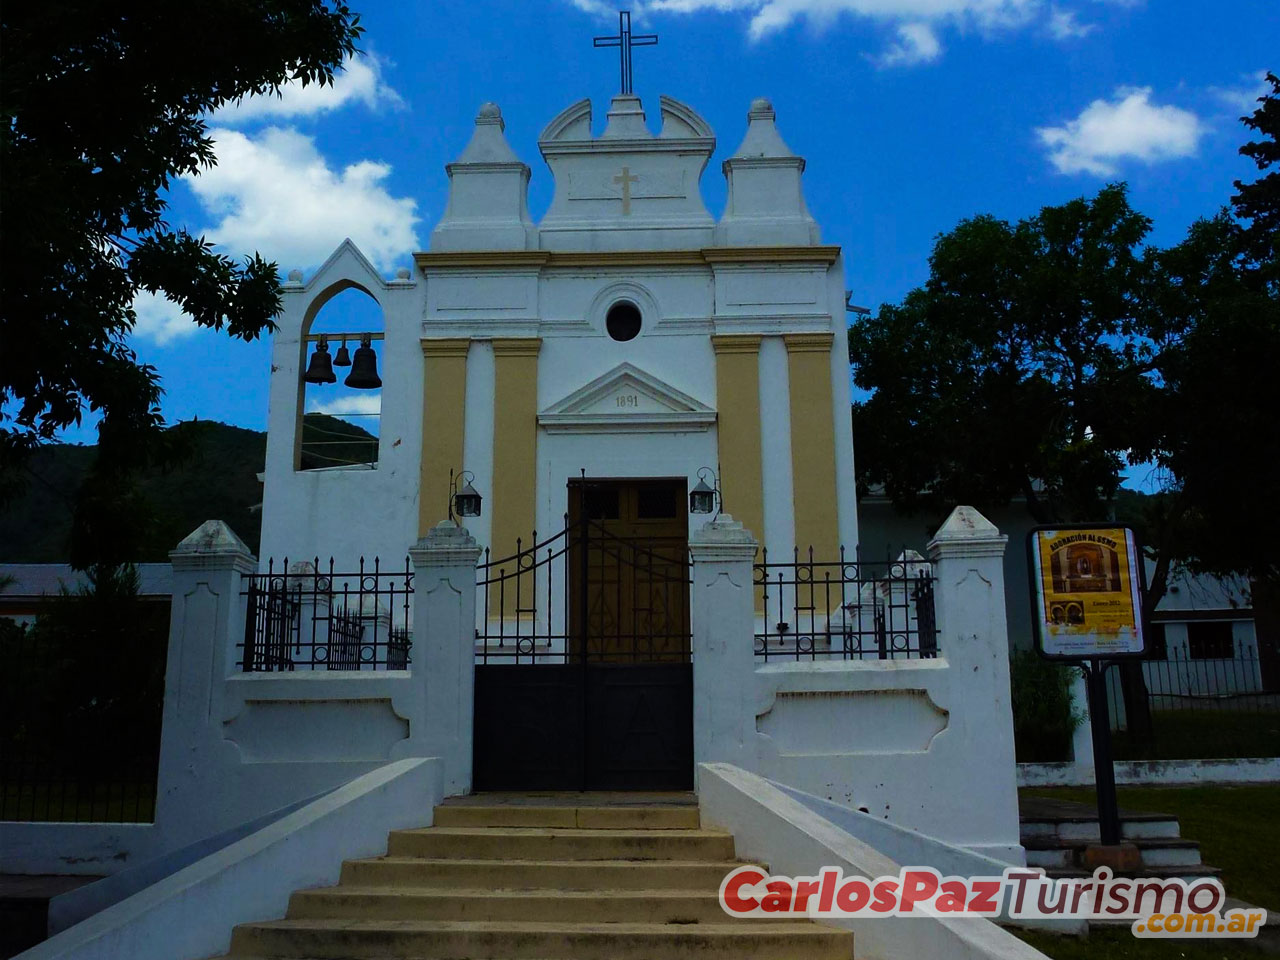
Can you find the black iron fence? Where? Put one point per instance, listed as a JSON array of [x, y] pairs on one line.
[[80, 713], [585, 593], [309, 616], [810, 609], [1201, 707]]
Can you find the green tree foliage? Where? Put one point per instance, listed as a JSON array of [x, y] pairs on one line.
[[1259, 202], [1009, 372], [83, 687], [1045, 715], [1042, 356], [102, 106]]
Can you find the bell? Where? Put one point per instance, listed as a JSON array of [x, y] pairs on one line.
[[364, 369], [343, 356], [320, 370]]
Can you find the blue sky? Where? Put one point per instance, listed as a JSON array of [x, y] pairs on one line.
[[912, 114]]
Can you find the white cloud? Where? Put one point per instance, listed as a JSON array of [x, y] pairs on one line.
[[1129, 126], [1244, 99], [917, 43], [360, 81], [916, 24], [1065, 25], [356, 404], [160, 319], [275, 193]]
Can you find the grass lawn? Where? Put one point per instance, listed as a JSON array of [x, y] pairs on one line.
[[1120, 944], [84, 802], [1189, 734], [1238, 828]]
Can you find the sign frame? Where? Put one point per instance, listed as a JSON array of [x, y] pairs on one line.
[[1138, 592]]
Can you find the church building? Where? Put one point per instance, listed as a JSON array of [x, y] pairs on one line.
[[627, 341]]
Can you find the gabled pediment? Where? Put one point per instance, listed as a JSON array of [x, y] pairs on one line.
[[627, 399]]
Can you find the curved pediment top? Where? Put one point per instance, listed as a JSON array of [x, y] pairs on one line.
[[682, 121], [571, 123]]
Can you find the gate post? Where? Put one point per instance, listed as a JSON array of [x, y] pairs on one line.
[[444, 626], [973, 637], [723, 620]]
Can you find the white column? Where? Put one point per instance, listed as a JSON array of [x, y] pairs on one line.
[[723, 618], [973, 637], [444, 616], [1082, 736]]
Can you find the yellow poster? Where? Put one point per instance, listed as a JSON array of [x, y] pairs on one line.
[[1088, 594]]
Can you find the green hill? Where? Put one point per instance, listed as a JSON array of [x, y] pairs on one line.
[[218, 481]]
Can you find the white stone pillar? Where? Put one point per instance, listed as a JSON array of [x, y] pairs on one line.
[[444, 627], [723, 620], [1082, 736], [973, 637], [206, 625]]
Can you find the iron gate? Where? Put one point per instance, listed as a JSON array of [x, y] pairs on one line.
[[584, 676]]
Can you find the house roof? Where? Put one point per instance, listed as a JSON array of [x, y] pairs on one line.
[[34, 580]]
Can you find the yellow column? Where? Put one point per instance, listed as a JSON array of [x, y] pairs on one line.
[[444, 388], [515, 443], [738, 425], [813, 445]]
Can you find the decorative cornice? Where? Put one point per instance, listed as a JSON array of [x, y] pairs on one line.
[[485, 259], [792, 254], [516, 346], [537, 259], [446, 347], [808, 342], [736, 342]]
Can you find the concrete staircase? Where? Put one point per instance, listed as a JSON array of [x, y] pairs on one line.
[[1056, 832], [522, 880]]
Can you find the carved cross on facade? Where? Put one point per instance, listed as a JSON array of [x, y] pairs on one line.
[[626, 179], [624, 41]]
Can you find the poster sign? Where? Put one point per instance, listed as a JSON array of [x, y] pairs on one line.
[[1086, 586]]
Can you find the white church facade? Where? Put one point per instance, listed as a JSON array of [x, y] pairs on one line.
[[627, 336]]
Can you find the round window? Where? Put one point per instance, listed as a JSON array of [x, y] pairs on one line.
[[623, 320]]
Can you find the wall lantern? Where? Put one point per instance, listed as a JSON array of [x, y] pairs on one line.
[[320, 369], [704, 497], [464, 502]]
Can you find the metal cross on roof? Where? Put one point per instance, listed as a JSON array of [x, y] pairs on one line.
[[624, 41]]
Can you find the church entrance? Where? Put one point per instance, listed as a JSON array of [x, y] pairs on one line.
[[584, 676]]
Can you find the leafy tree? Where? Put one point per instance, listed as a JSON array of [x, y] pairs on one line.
[[1010, 372], [1259, 201], [101, 107]]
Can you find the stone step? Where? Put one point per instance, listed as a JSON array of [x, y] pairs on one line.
[[335, 939], [1089, 831], [540, 843], [618, 874], [587, 817], [1055, 852], [669, 905], [1158, 873]]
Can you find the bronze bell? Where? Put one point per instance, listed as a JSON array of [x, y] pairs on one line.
[[320, 370], [364, 368], [343, 357]]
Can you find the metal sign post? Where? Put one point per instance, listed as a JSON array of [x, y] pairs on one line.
[[1104, 773], [1087, 585]]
